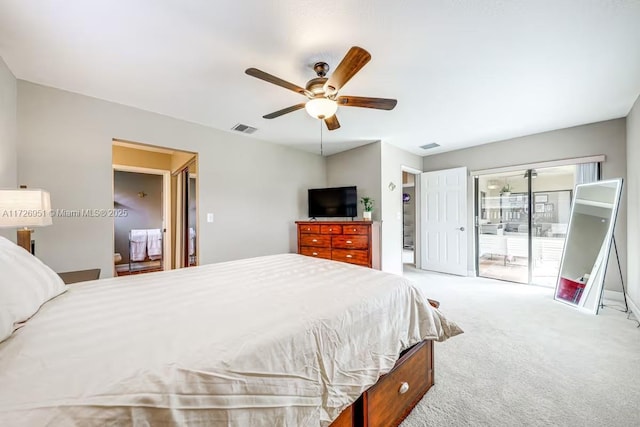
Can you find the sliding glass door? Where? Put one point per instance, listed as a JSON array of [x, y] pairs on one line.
[[521, 221], [552, 196]]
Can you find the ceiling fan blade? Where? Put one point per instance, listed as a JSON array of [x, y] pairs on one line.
[[352, 62], [254, 72], [284, 111], [364, 102], [332, 122]]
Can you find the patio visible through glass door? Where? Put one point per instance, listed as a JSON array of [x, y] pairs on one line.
[[503, 226], [552, 195], [522, 221]]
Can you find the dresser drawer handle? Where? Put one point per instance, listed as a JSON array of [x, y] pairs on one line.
[[315, 254], [354, 229], [349, 242], [308, 229], [331, 229], [404, 387], [349, 256], [314, 240]]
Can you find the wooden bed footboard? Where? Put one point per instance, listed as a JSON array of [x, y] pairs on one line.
[[391, 399]]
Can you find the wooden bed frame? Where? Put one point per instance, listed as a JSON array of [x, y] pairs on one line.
[[391, 399]]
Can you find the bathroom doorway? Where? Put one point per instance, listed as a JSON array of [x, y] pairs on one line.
[[155, 189], [142, 196]]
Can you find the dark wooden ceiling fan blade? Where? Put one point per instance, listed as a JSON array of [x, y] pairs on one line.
[[254, 72], [352, 62], [364, 102], [284, 111], [332, 122]]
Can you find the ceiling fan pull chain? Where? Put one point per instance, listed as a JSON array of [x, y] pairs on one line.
[[321, 149]]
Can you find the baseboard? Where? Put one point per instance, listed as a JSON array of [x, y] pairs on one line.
[[633, 307], [613, 295], [471, 273]]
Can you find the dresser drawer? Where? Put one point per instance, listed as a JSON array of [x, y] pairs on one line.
[[391, 399], [309, 228], [352, 256], [350, 242], [331, 229], [316, 240], [316, 252], [355, 229]]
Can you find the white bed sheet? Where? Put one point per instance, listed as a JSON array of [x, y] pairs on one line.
[[277, 340]]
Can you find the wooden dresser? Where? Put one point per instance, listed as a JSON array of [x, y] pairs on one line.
[[355, 242]]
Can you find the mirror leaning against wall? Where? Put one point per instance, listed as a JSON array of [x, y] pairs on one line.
[[589, 238]]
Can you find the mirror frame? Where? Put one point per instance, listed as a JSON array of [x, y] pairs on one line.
[[606, 244]]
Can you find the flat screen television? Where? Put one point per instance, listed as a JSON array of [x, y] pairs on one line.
[[333, 202]]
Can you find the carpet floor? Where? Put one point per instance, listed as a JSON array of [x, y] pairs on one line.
[[526, 360]]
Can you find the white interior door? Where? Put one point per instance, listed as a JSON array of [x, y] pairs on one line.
[[444, 221]]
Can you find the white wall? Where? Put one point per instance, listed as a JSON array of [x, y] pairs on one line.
[[8, 139], [371, 168], [360, 167], [633, 194], [608, 138], [255, 189], [393, 159]]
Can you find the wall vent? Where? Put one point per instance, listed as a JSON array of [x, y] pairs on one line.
[[244, 128], [429, 146]]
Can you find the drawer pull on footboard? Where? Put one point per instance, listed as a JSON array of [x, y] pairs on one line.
[[404, 387], [349, 256]]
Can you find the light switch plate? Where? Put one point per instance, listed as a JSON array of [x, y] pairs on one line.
[[209, 217]]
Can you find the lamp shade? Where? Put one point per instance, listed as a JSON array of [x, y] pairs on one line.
[[321, 108], [25, 208]]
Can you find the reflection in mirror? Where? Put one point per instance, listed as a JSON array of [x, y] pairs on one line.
[[593, 215]]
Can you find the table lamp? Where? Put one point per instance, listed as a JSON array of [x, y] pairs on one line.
[[24, 208]]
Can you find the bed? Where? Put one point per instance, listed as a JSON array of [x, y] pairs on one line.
[[276, 340]]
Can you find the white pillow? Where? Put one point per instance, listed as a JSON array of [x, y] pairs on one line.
[[25, 284]]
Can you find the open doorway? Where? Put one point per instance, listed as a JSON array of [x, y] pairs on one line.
[[158, 227], [142, 195], [185, 218], [409, 216]]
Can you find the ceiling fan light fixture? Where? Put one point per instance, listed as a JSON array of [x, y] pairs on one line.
[[321, 108]]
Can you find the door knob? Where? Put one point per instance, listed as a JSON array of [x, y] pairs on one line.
[[461, 229]]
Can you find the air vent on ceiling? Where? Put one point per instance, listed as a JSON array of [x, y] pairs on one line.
[[244, 128], [428, 146]]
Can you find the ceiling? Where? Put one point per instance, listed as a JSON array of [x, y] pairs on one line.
[[465, 72]]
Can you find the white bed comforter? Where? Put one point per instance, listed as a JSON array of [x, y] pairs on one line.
[[277, 340]]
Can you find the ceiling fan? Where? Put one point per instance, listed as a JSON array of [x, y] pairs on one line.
[[323, 92]]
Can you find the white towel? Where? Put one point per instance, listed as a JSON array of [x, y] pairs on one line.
[[138, 245], [154, 243], [192, 241]]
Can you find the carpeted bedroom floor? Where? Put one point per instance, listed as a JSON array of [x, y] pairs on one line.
[[526, 360]]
